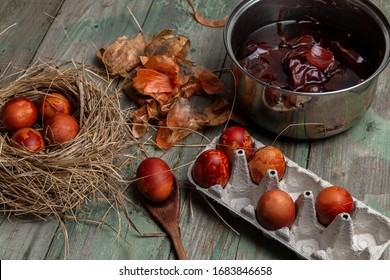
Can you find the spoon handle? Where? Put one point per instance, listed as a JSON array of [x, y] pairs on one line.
[[178, 244]]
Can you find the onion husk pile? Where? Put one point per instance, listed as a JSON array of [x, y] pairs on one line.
[[57, 181]]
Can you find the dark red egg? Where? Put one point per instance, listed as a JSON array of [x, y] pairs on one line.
[[28, 138], [18, 112], [234, 138], [211, 168], [155, 179], [332, 201], [266, 158]]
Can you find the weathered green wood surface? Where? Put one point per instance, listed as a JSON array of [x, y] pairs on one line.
[[73, 29]]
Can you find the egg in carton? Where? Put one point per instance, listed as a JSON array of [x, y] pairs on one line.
[[364, 235]]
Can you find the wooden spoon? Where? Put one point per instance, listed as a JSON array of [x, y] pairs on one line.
[[167, 214]]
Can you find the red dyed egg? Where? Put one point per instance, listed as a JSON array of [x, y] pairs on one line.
[[61, 128], [18, 112], [155, 179], [266, 158], [234, 138], [53, 104], [210, 168], [275, 209], [28, 138], [332, 201]]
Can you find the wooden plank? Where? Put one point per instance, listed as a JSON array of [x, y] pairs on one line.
[[19, 238], [22, 238], [29, 22], [80, 29]]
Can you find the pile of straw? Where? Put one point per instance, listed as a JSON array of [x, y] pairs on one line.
[[55, 182]]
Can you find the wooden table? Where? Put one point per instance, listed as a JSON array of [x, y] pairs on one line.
[[72, 29]]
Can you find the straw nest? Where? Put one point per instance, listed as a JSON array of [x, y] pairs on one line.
[[55, 182]]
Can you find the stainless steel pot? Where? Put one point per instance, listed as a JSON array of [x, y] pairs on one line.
[[312, 115]]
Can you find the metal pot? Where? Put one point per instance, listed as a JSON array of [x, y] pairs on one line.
[[313, 115]]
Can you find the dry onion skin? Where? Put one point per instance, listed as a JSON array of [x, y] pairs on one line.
[[56, 181]]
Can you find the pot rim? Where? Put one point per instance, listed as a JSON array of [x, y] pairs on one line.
[[372, 9]]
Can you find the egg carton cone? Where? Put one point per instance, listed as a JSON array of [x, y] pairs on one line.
[[363, 235]]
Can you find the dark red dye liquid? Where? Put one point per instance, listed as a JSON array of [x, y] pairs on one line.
[[305, 56]]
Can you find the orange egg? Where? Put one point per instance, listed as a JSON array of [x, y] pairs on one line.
[[28, 138], [332, 201], [275, 209], [17, 113], [266, 158], [53, 104]]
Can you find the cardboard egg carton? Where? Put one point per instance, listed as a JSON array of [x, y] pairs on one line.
[[364, 235]]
